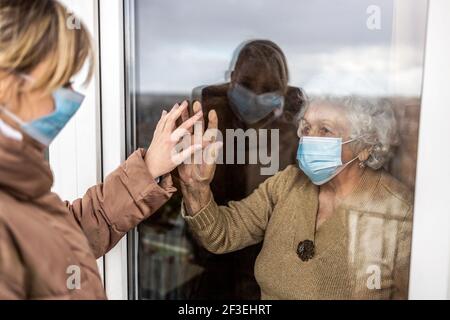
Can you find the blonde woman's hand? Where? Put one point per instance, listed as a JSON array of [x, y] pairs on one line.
[[161, 157]]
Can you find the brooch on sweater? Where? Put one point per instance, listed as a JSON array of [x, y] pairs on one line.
[[306, 250]]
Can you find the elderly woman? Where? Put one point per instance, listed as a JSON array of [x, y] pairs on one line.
[[338, 226]]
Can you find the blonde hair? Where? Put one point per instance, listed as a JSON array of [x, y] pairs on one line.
[[33, 31]]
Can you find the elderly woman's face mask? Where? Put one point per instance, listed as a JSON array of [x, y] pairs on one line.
[[320, 152], [320, 158]]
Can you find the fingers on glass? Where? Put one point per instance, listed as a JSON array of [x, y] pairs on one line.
[[186, 153], [192, 120], [212, 152], [212, 120], [175, 113], [185, 115], [197, 106], [178, 134], [161, 121]]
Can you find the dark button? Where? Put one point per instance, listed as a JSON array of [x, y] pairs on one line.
[[305, 250]]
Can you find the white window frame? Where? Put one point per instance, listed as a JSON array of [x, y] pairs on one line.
[[111, 22], [430, 257], [75, 155], [84, 165], [92, 145]]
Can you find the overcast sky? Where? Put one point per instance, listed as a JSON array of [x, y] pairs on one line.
[[183, 44]]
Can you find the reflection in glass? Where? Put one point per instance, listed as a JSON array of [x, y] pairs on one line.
[[177, 58]]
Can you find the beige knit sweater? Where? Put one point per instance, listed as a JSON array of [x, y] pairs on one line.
[[362, 251]]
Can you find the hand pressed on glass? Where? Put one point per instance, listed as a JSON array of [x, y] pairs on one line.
[[195, 177], [160, 158]]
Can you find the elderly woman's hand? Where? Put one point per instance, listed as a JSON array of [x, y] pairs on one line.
[[161, 157], [196, 175]]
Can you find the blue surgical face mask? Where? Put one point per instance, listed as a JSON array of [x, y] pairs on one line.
[[252, 108], [45, 129], [321, 158]]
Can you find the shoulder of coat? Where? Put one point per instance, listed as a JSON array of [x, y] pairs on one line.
[[292, 177], [397, 189]]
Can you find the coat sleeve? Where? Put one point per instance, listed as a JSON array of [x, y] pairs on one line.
[[223, 229], [12, 271], [128, 196]]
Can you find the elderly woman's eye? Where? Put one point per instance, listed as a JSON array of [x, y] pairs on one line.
[[325, 130], [305, 130]]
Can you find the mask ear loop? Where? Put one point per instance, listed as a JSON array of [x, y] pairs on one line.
[[23, 78], [11, 115], [347, 163], [362, 164], [348, 141], [278, 112]]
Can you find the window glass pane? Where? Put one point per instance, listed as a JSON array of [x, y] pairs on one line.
[[338, 220]]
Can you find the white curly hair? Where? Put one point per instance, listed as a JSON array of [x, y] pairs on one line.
[[373, 124]]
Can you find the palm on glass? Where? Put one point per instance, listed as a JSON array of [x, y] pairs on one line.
[[197, 173], [160, 157]]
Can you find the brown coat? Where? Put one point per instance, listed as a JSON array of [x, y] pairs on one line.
[[43, 239]]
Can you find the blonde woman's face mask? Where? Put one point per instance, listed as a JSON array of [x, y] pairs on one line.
[[54, 112]]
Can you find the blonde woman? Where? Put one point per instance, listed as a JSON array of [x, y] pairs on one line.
[[43, 239]]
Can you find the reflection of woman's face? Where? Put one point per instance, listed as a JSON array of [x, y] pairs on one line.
[[255, 77], [327, 120]]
